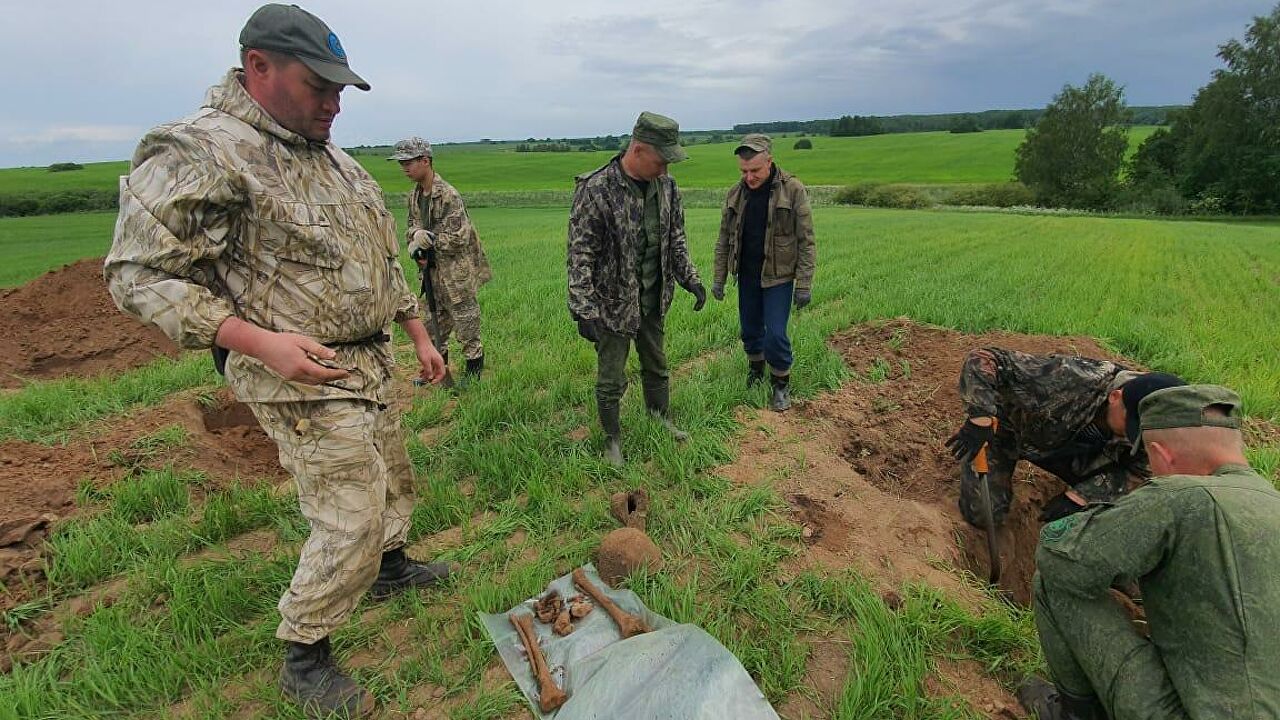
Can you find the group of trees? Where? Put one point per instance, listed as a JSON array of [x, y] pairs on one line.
[[1221, 154]]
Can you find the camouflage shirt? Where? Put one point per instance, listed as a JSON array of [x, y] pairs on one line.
[[461, 266], [226, 212], [1051, 405], [606, 234]]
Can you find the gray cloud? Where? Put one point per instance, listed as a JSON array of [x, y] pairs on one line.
[[96, 75]]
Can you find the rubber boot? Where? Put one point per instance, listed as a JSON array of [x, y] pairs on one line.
[[1044, 701], [611, 421], [474, 368], [312, 680], [657, 399], [755, 373], [781, 398], [398, 572]]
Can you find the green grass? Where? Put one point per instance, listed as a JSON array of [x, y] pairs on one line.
[[31, 246], [529, 499]]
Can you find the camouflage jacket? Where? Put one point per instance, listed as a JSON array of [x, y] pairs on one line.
[[789, 249], [606, 231], [460, 263], [226, 212], [1051, 406]]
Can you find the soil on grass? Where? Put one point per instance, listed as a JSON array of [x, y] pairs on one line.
[[867, 477], [64, 323]]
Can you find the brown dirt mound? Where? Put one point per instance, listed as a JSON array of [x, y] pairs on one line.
[[65, 323]]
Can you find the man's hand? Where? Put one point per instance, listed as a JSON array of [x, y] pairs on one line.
[[431, 360], [298, 358], [426, 241], [970, 438], [700, 296], [589, 329], [802, 298], [717, 291], [1060, 506]]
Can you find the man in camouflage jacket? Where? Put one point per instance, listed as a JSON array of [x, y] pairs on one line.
[[243, 226], [445, 244], [1068, 415], [627, 250]]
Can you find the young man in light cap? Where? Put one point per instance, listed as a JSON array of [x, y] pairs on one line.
[[767, 243], [447, 248], [627, 251], [1202, 541], [243, 227], [1074, 417]]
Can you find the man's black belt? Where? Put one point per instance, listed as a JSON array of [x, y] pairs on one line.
[[378, 337]]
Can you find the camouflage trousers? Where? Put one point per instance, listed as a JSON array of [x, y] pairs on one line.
[[462, 319], [1092, 649], [355, 488]]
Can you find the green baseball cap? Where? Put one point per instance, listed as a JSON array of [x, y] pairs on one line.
[[662, 133], [1185, 406], [758, 142], [290, 30], [411, 149]]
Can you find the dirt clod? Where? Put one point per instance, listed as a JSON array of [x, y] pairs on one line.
[[548, 607], [624, 551]]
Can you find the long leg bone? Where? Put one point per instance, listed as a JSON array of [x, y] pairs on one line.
[[550, 696], [627, 623]]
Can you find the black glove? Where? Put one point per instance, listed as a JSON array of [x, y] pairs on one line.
[[717, 291], [802, 298], [1059, 507], [700, 293], [589, 330], [969, 439]]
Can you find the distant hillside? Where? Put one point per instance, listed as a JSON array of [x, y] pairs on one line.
[[985, 120]]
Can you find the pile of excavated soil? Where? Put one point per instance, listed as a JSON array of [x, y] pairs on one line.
[[868, 478], [65, 323]]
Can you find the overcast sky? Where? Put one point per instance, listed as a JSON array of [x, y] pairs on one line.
[[86, 79]]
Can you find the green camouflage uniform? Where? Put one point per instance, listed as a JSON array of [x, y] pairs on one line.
[[226, 212], [607, 242], [459, 264], [1051, 412], [1205, 552]]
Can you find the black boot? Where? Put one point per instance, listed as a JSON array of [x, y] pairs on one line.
[[781, 398], [311, 679], [398, 572], [474, 368], [657, 398], [1046, 702], [755, 373], [611, 422]]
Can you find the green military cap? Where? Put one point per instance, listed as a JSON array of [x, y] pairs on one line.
[[1185, 406], [662, 133], [411, 149], [290, 30], [759, 142]]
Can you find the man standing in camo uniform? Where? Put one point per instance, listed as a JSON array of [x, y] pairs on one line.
[[1074, 417], [627, 251], [766, 242], [243, 225], [445, 244]]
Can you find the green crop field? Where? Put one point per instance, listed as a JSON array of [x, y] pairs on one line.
[[921, 158]]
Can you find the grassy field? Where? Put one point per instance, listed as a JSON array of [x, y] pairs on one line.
[[923, 158], [508, 491]]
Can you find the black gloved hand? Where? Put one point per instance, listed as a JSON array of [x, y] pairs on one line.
[[589, 329], [700, 295], [1059, 507], [802, 298], [969, 439], [717, 291]]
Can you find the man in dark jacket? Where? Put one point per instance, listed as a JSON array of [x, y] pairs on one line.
[[627, 250], [766, 242], [1072, 416]]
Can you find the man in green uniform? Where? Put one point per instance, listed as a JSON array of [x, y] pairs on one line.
[[1072, 416], [627, 250], [243, 226], [1202, 541], [446, 246]]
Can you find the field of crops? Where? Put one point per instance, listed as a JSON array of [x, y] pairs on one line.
[[159, 590]]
